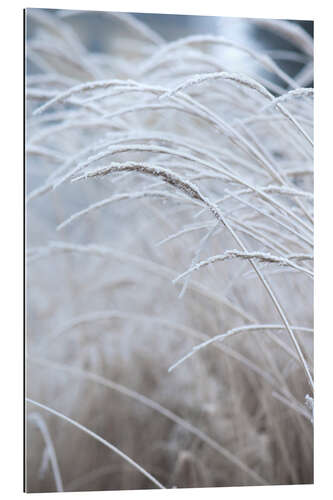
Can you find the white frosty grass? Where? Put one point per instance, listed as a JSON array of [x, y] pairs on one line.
[[190, 232], [98, 438]]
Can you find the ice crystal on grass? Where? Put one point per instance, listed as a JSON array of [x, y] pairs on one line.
[[147, 160]]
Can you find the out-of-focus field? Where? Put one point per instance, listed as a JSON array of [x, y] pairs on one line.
[[146, 161]]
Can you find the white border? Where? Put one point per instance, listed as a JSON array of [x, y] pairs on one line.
[[11, 451], [255, 8]]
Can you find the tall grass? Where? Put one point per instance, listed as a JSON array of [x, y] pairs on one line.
[[169, 258]]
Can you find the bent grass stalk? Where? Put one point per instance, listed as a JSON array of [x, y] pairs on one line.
[[51, 454], [161, 410], [232, 332], [193, 141], [98, 438], [192, 191]]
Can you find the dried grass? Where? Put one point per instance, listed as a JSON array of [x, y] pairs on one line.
[[180, 159]]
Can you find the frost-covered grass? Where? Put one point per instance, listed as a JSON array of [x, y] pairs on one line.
[[169, 258]]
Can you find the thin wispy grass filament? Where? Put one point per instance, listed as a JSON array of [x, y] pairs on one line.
[[181, 176], [97, 438]]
